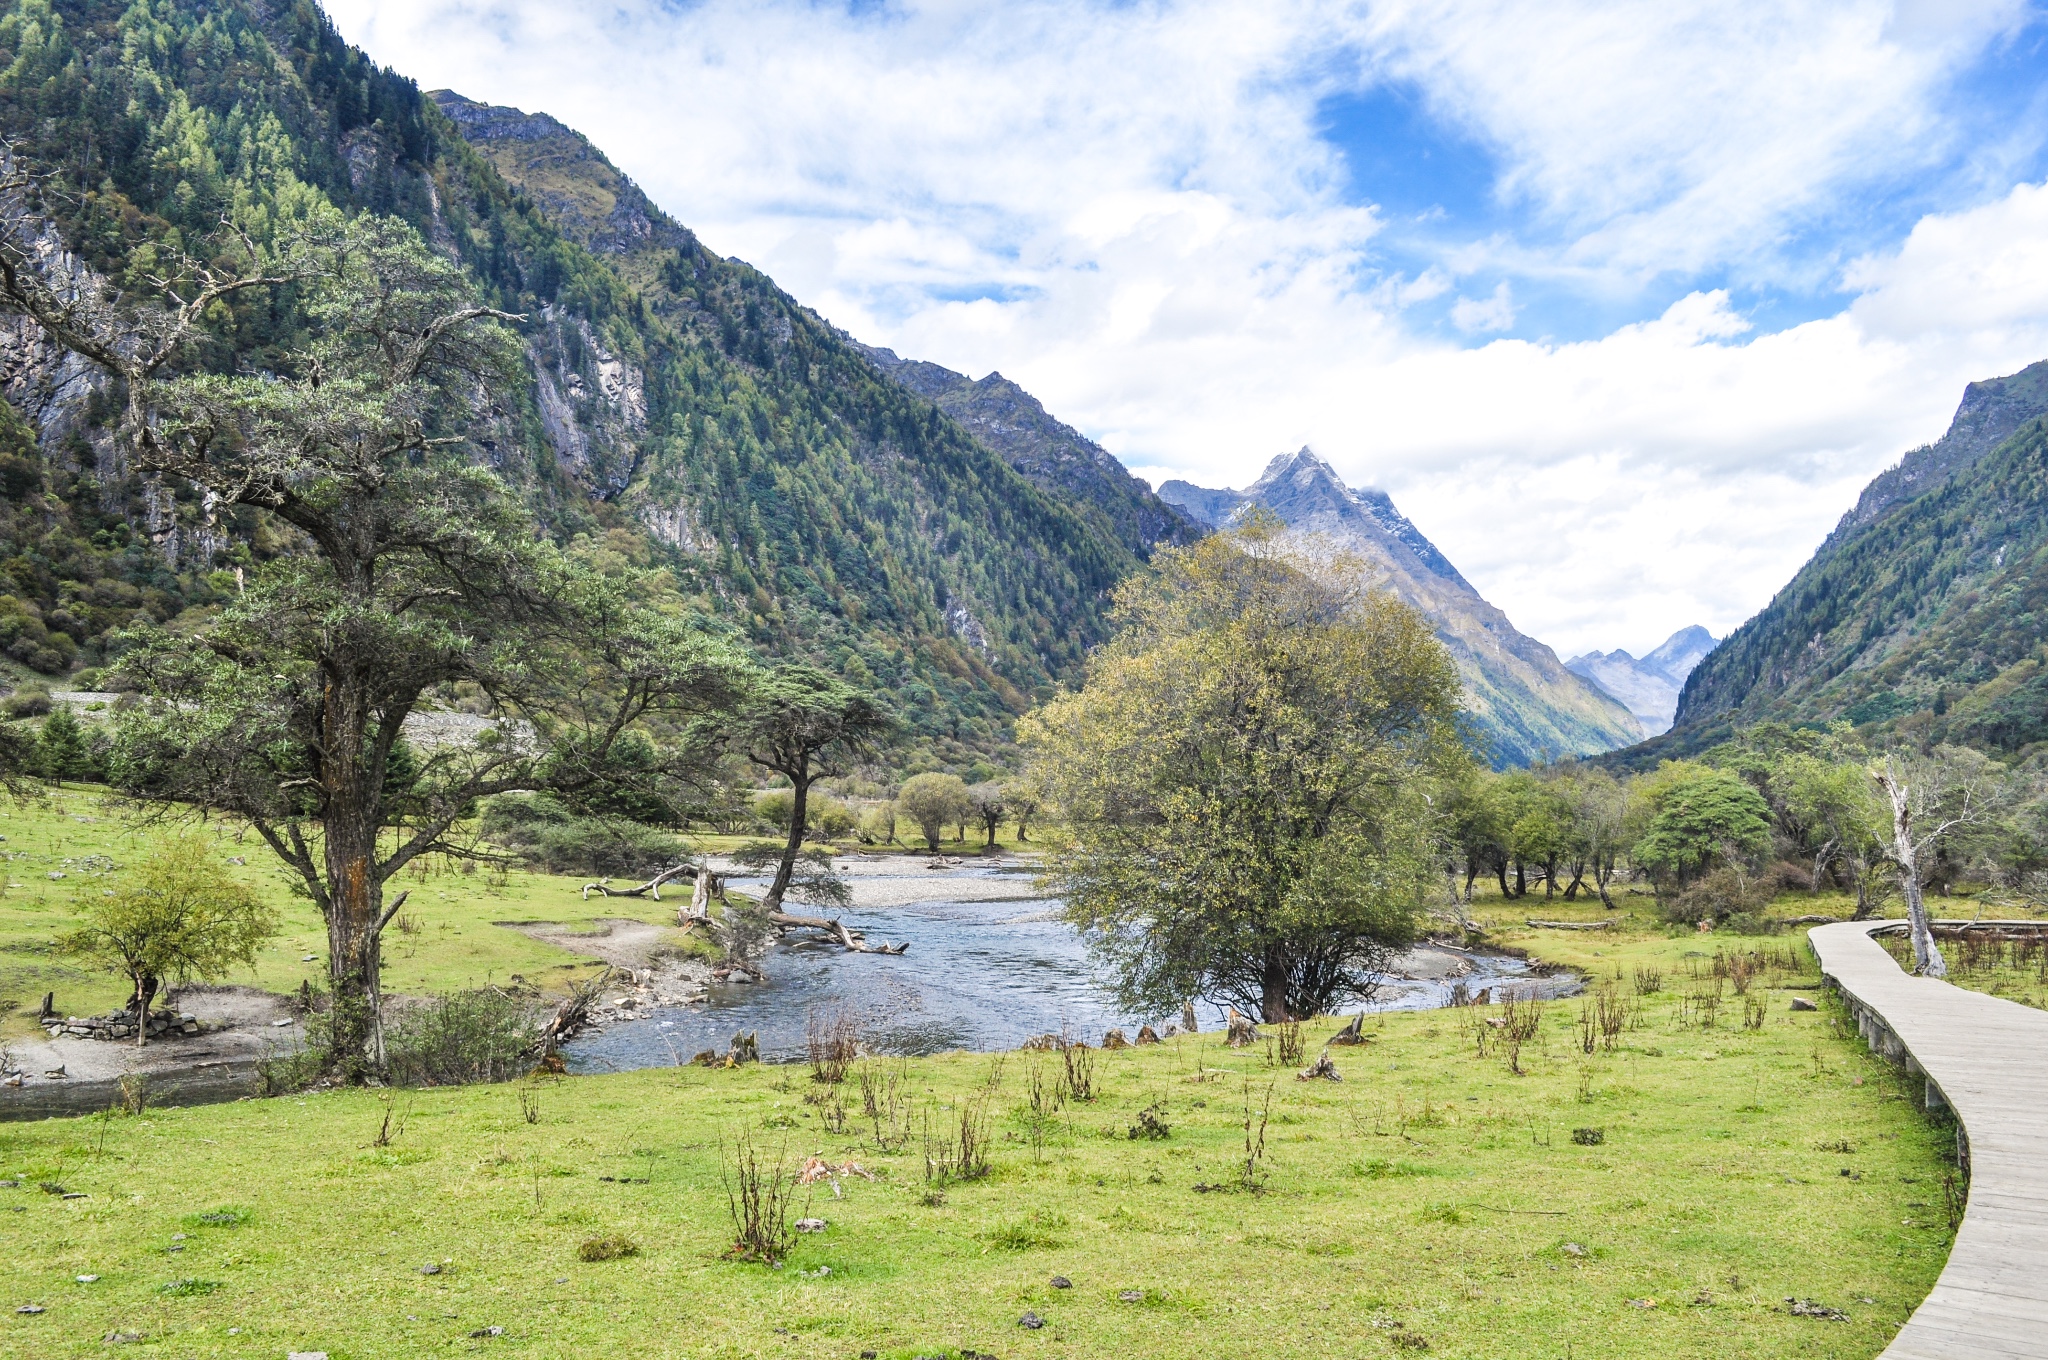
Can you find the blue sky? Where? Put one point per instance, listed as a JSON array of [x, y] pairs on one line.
[[1621, 301]]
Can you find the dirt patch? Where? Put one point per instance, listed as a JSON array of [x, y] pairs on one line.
[[649, 974], [621, 943], [253, 1025]]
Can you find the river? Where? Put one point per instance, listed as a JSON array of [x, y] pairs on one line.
[[990, 965]]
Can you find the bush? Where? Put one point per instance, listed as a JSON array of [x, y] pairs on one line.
[[554, 839], [610, 1248], [1719, 895], [471, 1036]]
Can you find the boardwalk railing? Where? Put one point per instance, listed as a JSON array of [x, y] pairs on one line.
[[1987, 1060]]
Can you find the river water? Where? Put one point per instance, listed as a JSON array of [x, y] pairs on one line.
[[990, 965]]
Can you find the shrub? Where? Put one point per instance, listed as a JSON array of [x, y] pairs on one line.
[[472, 1036], [1719, 895], [556, 839], [609, 1248]]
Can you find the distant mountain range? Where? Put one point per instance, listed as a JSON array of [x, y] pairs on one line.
[[1527, 705], [1649, 686], [1924, 614]]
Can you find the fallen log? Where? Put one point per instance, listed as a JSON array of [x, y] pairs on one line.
[[651, 888], [835, 928], [1812, 920], [1574, 925]]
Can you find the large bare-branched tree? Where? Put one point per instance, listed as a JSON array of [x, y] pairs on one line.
[[1943, 802], [417, 572]]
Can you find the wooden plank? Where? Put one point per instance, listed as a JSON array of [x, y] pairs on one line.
[[1989, 1057]]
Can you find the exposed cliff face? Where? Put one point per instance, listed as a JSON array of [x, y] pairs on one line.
[[1924, 612], [1648, 685], [1053, 455], [1524, 701]]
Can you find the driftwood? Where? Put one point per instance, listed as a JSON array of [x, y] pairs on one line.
[[1322, 1069], [836, 929], [651, 888], [572, 1014], [1574, 925], [1353, 1033]]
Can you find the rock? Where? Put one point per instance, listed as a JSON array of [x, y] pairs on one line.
[[88, 1279], [1030, 1321], [810, 1225], [1062, 1282], [237, 859], [1115, 1039], [305, 1355], [1131, 1296], [488, 1331], [430, 1269], [121, 1338], [1169, 1031], [280, 1024], [1148, 1035], [1800, 1003], [1808, 1308], [1574, 1249], [30, 1308]]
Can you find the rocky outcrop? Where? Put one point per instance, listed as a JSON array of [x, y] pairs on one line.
[[1991, 411], [1525, 703]]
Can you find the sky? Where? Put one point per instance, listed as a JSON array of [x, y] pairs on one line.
[[1622, 302]]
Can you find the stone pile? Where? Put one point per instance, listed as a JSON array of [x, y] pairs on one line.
[[121, 1025]]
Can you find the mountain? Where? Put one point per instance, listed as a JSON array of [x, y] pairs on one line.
[[683, 412], [1649, 686], [1925, 612], [1054, 456], [1524, 702]]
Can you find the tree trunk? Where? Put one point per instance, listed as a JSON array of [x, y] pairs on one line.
[[1273, 989], [349, 819], [145, 992], [799, 811], [1500, 871], [1521, 879], [1927, 960], [1603, 869], [1471, 876]]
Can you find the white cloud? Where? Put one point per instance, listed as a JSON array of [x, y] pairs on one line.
[[1492, 313], [1128, 210]]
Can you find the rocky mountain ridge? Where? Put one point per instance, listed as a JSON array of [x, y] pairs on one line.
[[1525, 703], [1924, 614], [1052, 454]]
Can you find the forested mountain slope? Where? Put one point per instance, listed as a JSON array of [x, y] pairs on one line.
[[1926, 617], [1052, 454], [1526, 705], [682, 411]]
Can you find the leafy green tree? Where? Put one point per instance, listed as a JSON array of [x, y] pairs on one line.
[[418, 573], [804, 724], [933, 799], [61, 749], [1701, 814], [1246, 776], [178, 917]]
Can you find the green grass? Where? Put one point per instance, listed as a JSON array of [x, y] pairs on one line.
[[458, 943], [1432, 1189]]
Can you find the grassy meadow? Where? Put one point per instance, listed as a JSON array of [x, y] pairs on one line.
[[1432, 1198], [1436, 1200]]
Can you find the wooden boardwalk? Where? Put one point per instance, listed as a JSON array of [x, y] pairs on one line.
[[1987, 1059]]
